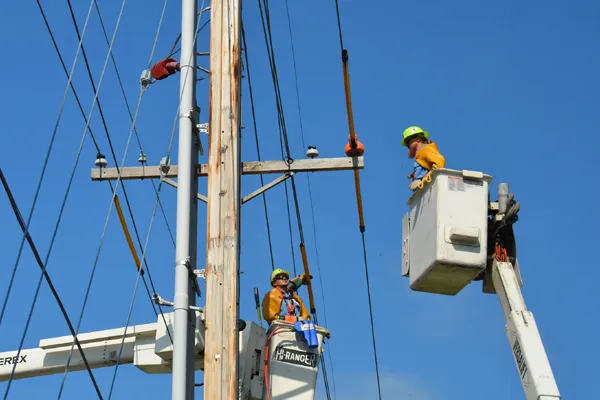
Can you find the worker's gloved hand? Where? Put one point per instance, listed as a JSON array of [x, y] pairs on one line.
[[304, 278], [414, 185]]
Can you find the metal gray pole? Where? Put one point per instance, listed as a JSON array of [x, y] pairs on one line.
[[186, 208]]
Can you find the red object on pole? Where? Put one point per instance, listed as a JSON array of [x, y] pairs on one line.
[[165, 68], [355, 149]]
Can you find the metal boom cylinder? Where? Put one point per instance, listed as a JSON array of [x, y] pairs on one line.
[[183, 387]]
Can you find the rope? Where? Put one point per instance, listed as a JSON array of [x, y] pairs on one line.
[[36, 254], [127, 235], [352, 139], [39, 185], [262, 182]]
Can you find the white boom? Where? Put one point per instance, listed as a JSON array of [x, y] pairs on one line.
[[147, 346], [292, 365], [523, 336]]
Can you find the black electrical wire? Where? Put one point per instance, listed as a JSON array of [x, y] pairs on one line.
[[83, 114], [344, 53], [309, 184], [284, 142], [36, 254], [128, 203], [137, 136], [262, 182]]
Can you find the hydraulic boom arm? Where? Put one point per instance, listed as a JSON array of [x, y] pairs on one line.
[[523, 336], [147, 346]]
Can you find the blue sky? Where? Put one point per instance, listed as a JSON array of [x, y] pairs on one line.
[[506, 88]]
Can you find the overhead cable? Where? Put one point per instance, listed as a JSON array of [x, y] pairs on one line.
[[37, 290], [39, 185], [262, 181], [309, 187], [284, 143], [353, 144], [40, 263]]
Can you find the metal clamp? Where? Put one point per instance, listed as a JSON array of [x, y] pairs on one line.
[[200, 273], [162, 302], [191, 273], [194, 116]]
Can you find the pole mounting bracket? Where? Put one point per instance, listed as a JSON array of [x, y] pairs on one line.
[[188, 264]]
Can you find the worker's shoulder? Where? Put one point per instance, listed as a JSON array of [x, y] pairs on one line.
[[273, 293]]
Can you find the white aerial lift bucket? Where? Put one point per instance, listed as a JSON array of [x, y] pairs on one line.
[[292, 366], [444, 235]]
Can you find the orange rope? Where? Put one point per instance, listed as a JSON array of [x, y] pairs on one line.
[[352, 137], [348, 95], [308, 284], [138, 264]]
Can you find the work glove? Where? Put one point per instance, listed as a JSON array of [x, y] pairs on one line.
[[414, 185]]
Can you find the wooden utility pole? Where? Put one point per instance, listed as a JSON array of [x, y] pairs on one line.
[[223, 220]]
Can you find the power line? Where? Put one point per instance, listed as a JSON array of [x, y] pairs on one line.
[[36, 254], [39, 185], [84, 116], [309, 185], [151, 222], [130, 210], [51, 241], [344, 54], [129, 111], [262, 181], [118, 23], [110, 144], [271, 56], [265, 19], [137, 280]]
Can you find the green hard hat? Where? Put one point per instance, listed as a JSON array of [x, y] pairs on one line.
[[412, 131]]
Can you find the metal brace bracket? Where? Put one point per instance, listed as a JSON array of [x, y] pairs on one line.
[[162, 302], [200, 273], [172, 183], [194, 116], [268, 186], [188, 265], [203, 128], [165, 165]]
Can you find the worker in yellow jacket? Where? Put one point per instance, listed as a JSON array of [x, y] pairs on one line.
[[282, 302], [425, 152]]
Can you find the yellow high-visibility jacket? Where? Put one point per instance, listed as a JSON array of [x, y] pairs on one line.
[[429, 157], [271, 305]]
